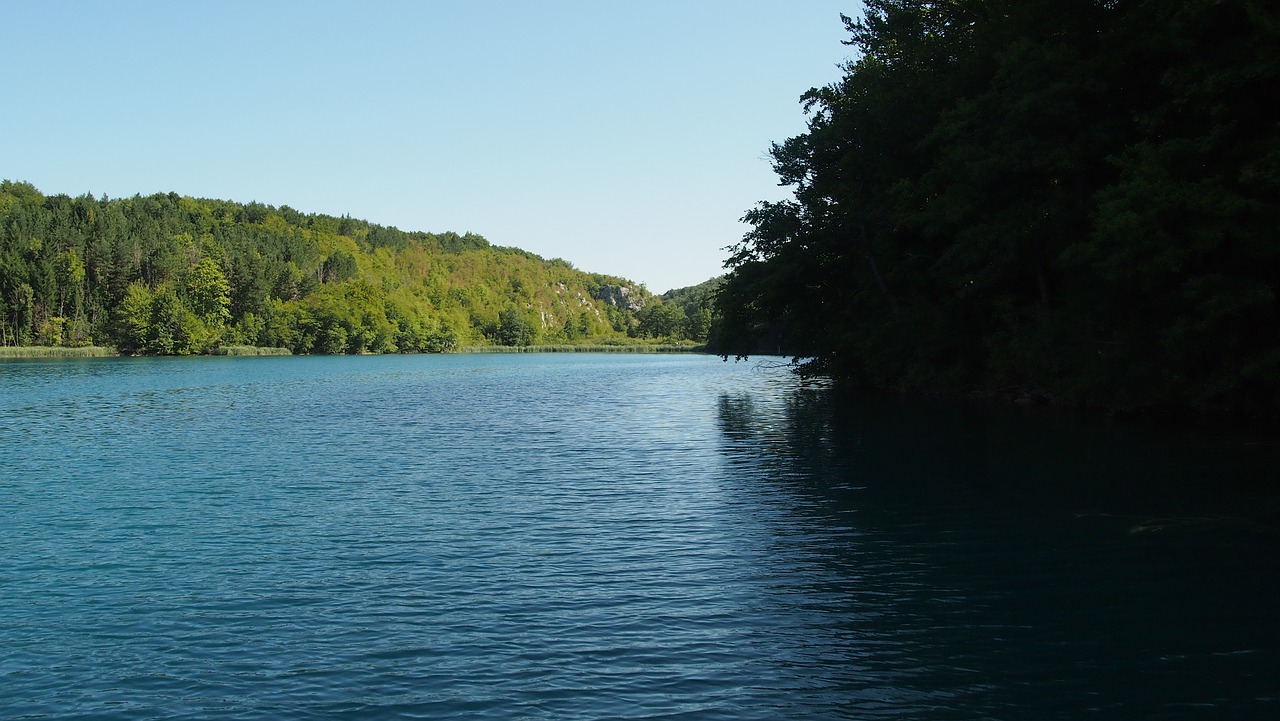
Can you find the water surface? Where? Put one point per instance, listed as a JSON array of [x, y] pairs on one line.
[[585, 536]]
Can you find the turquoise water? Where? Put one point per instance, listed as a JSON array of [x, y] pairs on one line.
[[588, 537]]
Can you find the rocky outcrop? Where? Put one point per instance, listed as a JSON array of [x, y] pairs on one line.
[[621, 296]]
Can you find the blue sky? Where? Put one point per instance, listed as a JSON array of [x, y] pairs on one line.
[[627, 138]]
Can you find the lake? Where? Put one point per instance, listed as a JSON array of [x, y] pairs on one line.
[[585, 536]]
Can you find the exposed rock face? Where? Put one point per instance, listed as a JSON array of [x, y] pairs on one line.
[[621, 296]]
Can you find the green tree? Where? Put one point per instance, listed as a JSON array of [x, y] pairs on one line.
[[514, 329], [209, 293], [133, 318], [71, 274], [338, 267], [987, 201], [660, 320]]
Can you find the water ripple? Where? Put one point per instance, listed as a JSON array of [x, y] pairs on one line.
[[569, 537]]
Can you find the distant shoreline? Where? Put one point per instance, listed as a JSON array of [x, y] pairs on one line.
[[109, 352], [586, 348]]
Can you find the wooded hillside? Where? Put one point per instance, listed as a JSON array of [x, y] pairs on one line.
[[168, 274]]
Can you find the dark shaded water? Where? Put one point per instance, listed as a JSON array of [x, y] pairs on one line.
[[581, 537]]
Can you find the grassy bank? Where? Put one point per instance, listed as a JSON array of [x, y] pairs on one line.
[[89, 351], [249, 350], [636, 348]]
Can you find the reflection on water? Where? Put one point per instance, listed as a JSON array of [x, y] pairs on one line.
[[1012, 563]]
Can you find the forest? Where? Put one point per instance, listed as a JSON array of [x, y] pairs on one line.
[[1061, 202], [173, 275]]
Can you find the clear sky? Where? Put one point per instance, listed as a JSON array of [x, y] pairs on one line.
[[626, 137]]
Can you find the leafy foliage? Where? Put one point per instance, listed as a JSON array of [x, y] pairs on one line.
[[1084, 208], [689, 313], [168, 274]]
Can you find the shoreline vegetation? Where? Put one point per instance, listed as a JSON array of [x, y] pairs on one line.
[[592, 348], [241, 350], [249, 350], [40, 351], [167, 274], [1081, 212]]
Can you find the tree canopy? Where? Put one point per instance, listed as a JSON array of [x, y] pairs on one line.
[[169, 274], [1076, 201]]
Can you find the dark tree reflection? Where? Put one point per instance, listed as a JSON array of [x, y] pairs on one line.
[[1008, 562]]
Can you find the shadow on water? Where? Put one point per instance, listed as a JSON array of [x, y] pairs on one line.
[[991, 562]]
